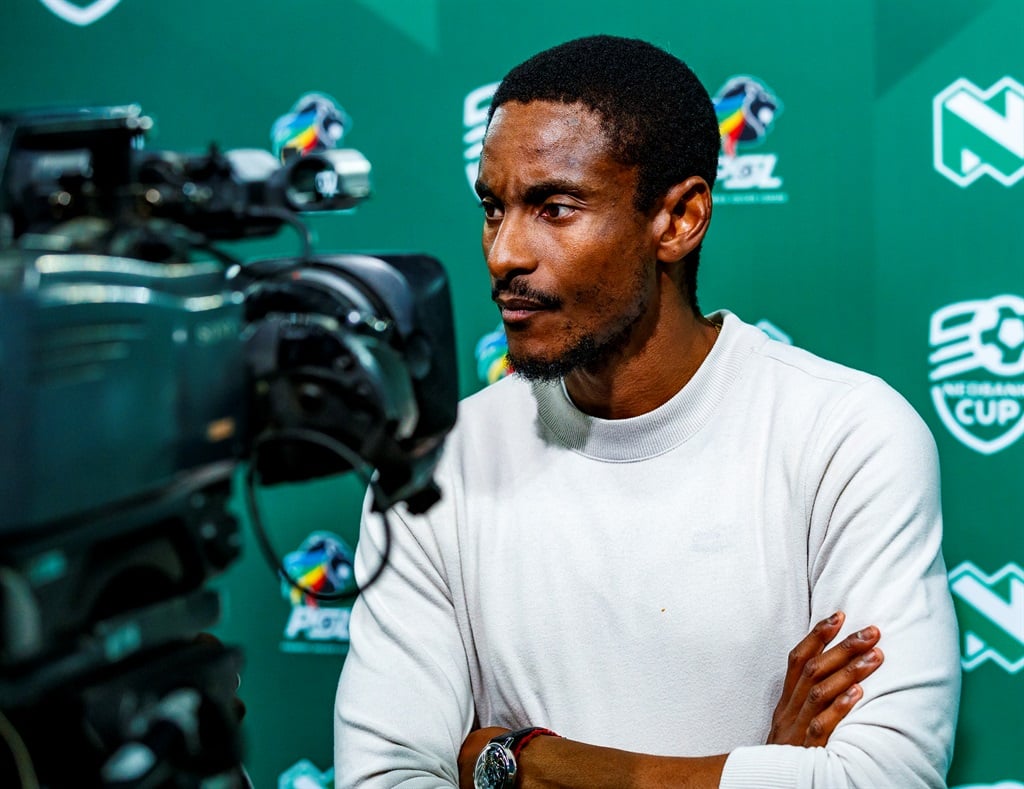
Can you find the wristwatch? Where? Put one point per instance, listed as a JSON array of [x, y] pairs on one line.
[[496, 765]]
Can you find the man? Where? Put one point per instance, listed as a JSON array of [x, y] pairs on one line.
[[638, 526]]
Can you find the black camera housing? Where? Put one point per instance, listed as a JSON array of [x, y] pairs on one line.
[[140, 367]]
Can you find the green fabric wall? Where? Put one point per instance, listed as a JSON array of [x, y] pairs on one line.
[[890, 202]]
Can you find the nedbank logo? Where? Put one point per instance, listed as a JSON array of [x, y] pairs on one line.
[[80, 14], [474, 119], [980, 131], [978, 371], [990, 609]]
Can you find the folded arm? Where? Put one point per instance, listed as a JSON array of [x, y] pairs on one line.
[[820, 689]]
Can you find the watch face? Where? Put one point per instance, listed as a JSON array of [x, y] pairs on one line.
[[495, 768]]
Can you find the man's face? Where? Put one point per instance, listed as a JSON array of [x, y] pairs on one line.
[[572, 262]]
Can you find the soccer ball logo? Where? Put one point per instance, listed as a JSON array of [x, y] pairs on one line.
[[978, 371]]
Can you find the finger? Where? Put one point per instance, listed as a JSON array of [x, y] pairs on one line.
[[824, 723], [811, 646], [830, 688], [810, 692], [842, 654]]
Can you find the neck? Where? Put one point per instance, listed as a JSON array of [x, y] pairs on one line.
[[655, 365]]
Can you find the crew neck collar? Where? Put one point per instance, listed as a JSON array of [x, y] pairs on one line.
[[668, 425]]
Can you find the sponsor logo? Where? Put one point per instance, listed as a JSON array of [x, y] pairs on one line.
[[746, 110], [474, 120], [316, 122], [304, 775], [80, 14], [492, 356], [323, 563], [990, 609], [773, 331], [980, 132], [977, 371], [996, 785]]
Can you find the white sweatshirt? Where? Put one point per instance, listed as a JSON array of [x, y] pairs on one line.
[[638, 583]]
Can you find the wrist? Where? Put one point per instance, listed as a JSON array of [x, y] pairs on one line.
[[497, 766]]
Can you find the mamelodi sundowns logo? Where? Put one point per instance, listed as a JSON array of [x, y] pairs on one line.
[[977, 371]]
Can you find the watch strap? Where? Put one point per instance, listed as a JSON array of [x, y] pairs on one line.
[[517, 740]]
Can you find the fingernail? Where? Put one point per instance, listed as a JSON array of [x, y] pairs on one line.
[[870, 659], [852, 692], [866, 634], [833, 619]]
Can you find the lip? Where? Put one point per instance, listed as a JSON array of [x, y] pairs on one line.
[[516, 309]]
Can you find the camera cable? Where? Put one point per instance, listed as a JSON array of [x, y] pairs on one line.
[[27, 778], [262, 539]]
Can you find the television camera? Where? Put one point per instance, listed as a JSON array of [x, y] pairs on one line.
[[142, 370]]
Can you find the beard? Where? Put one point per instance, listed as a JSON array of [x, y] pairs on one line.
[[592, 351], [587, 353]]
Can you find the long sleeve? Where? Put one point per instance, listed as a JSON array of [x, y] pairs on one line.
[[874, 551], [591, 576], [404, 703]]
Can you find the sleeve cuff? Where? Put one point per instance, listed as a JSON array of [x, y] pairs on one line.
[[763, 767]]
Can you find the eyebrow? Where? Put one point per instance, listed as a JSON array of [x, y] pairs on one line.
[[539, 192], [481, 189]]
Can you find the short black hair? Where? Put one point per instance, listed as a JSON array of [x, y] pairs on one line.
[[656, 113]]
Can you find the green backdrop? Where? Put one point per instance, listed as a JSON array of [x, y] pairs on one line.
[[876, 220]]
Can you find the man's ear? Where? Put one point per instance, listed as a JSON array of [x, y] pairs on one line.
[[682, 218]]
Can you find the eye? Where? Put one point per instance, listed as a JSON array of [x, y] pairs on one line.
[[491, 209], [557, 210]]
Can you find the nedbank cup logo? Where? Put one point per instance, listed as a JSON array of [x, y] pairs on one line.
[[990, 610], [978, 371], [474, 118], [80, 14], [980, 132]]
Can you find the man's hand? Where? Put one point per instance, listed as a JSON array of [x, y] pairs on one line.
[[821, 686], [819, 691]]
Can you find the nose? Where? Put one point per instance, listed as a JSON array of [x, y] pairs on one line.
[[508, 248]]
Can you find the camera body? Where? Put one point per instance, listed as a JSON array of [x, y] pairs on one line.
[[140, 366]]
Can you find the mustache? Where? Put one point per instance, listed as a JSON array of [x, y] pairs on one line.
[[517, 288]]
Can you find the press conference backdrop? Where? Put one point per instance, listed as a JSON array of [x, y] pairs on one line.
[[869, 208]]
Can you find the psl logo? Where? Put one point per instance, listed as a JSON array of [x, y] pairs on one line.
[[323, 563], [990, 609], [984, 413], [304, 775], [980, 132], [80, 15], [474, 119], [492, 356], [746, 110]]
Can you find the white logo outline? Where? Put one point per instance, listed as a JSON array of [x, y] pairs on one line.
[[475, 107], [964, 581], [958, 348], [80, 15], [965, 89]]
